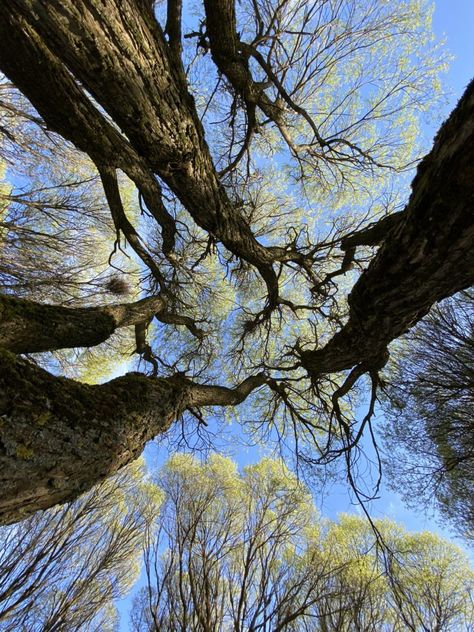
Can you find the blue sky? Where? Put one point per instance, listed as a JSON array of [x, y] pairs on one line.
[[454, 20]]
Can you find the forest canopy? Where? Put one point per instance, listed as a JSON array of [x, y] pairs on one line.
[[222, 191], [223, 549]]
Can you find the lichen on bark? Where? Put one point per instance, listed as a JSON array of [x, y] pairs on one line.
[[59, 437]]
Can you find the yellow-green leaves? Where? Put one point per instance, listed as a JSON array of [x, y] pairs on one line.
[[239, 546]]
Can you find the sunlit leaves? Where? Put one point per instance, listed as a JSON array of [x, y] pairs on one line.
[[248, 549], [62, 569]]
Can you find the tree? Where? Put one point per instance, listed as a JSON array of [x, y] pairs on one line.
[[248, 552], [237, 227], [431, 431], [223, 549], [62, 568], [421, 583]]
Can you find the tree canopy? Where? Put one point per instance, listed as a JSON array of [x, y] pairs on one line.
[[430, 434], [238, 174], [248, 551]]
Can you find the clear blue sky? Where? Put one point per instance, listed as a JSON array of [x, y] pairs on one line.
[[453, 19]]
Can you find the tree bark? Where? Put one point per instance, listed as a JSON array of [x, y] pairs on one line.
[[427, 255], [225, 45], [59, 437], [64, 106], [29, 327]]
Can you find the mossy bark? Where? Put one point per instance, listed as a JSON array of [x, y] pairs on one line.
[[59, 437]]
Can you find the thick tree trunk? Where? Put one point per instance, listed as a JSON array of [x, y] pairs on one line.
[[59, 437], [45, 80], [427, 255]]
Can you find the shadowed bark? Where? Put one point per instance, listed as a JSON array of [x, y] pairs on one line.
[[43, 78], [59, 437], [427, 255], [134, 78]]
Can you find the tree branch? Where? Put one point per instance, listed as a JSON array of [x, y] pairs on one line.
[[169, 318], [109, 181], [427, 255], [59, 437], [205, 395], [47, 83], [173, 28], [30, 327], [373, 234]]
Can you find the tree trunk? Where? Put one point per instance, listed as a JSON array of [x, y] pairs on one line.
[[134, 78], [59, 437], [427, 255]]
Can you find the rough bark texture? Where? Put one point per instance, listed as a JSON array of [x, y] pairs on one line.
[[59, 437], [29, 327], [226, 50], [43, 78], [426, 256]]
